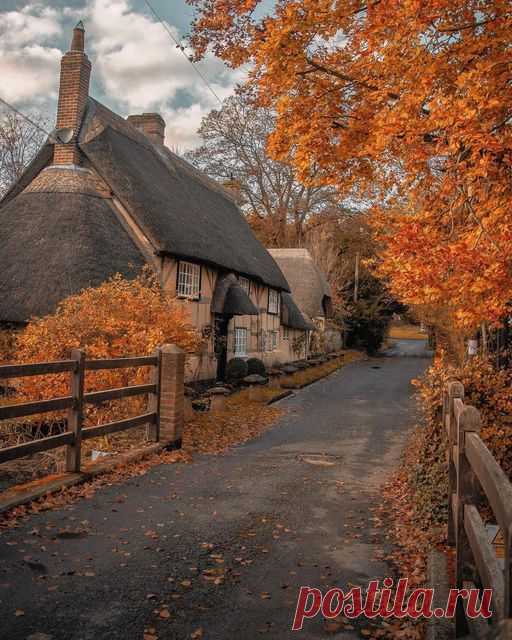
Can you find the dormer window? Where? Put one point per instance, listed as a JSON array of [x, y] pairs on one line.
[[274, 299], [245, 283], [189, 280]]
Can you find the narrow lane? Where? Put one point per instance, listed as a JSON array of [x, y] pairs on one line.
[[224, 543]]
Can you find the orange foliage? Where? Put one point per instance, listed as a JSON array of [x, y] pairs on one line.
[[119, 318], [486, 388], [404, 104]]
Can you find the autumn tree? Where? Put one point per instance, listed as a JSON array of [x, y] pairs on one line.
[[406, 103], [19, 142], [234, 152]]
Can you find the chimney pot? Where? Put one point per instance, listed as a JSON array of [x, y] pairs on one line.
[[78, 41]]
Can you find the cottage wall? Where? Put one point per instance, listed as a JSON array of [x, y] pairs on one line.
[[259, 327]]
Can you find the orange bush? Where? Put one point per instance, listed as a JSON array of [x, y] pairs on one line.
[[119, 318], [487, 388]]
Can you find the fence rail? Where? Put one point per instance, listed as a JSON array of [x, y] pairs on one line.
[[474, 473], [75, 402]]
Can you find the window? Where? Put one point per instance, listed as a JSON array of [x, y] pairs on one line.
[[275, 340], [245, 283], [273, 301], [286, 333], [240, 341], [189, 280]]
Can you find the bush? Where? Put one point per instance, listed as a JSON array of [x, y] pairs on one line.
[[255, 365], [236, 370], [485, 387], [119, 318]]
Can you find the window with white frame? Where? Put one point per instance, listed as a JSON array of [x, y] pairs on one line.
[[189, 280], [275, 340], [286, 333], [274, 298], [245, 283], [241, 341]]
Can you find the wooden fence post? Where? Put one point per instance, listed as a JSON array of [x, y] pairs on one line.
[[154, 398], [76, 413], [455, 390], [468, 420]]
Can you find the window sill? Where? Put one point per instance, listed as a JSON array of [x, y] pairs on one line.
[[180, 296]]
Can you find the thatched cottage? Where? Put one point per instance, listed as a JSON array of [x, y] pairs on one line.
[[312, 293], [115, 198]]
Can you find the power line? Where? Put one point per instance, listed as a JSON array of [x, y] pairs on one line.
[[22, 115], [182, 49]]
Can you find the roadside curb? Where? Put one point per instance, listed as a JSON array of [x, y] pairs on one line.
[[280, 396], [303, 385], [22, 494]]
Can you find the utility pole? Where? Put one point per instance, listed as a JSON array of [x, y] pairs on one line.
[[356, 277]]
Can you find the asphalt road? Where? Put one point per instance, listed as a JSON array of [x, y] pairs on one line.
[[224, 543]]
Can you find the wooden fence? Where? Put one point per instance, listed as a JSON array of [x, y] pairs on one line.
[[74, 403], [473, 474]]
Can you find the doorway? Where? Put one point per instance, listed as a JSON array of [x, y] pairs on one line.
[[221, 344]]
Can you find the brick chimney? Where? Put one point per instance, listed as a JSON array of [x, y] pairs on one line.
[[151, 124], [75, 73]]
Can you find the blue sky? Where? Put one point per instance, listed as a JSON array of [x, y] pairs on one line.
[[136, 67]]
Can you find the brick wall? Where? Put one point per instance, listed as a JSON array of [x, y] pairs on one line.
[[151, 124]]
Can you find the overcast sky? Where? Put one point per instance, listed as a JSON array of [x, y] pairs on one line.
[[135, 66]]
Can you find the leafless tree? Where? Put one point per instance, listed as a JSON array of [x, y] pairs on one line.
[[234, 152], [19, 142]]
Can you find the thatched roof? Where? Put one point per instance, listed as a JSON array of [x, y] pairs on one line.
[[309, 286], [59, 233], [39, 162], [183, 212], [55, 244], [291, 315], [230, 299]]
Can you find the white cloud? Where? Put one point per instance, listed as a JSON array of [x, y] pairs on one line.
[[136, 59], [30, 75], [33, 23], [141, 69], [135, 64], [29, 59], [181, 126]]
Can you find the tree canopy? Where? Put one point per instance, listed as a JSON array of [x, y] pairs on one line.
[[233, 151], [406, 104]]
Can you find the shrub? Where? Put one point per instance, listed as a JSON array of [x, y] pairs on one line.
[[485, 387], [117, 319], [236, 369], [255, 365]]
